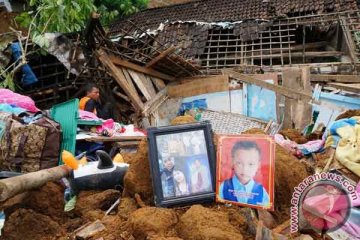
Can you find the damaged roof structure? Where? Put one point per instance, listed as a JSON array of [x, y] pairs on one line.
[[281, 71]]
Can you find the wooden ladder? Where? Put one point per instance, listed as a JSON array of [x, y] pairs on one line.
[[350, 24]]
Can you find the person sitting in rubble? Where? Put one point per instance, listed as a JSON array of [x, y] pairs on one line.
[[91, 102], [167, 177], [242, 187]]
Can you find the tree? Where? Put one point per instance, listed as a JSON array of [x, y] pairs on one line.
[[110, 9]]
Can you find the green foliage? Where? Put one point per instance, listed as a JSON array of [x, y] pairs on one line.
[[110, 9], [7, 80], [56, 15]]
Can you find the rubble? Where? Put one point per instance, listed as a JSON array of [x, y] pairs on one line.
[[137, 179], [201, 223], [150, 221]]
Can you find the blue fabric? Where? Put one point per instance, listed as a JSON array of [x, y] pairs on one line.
[[332, 130], [232, 187], [29, 77], [10, 108]]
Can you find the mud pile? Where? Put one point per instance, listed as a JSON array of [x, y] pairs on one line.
[[40, 215]]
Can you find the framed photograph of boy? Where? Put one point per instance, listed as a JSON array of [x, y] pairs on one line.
[[245, 170], [182, 161]]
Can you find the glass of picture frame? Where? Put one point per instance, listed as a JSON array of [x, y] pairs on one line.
[[182, 161]]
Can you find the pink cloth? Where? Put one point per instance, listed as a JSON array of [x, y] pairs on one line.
[[291, 146], [87, 115], [8, 96], [107, 125], [330, 208]]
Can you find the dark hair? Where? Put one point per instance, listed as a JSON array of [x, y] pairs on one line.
[[246, 145], [89, 87]]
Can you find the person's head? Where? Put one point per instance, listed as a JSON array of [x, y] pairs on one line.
[[92, 91], [179, 176], [169, 163], [246, 156]]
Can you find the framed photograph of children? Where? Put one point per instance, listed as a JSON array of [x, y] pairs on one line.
[[182, 161], [245, 170]]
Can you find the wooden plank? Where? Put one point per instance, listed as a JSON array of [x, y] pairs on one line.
[[297, 113], [355, 87], [155, 102], [128, 79], [160, 56], [159, 84], [199, 86], [139, 80], [120, 78], [287, 92], [335, 78], [148, 83], [120, 62]]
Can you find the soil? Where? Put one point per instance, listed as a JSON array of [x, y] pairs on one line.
[[294, 135], [348, 114], [28, 224], [129, 222], [202, 223], [49, 200], [137, 179], [152, 221]]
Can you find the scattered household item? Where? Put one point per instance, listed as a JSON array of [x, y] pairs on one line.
[[28, 77], [98, 175], [21, 101]]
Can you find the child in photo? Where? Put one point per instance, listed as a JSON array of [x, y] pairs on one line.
[[242, 188]]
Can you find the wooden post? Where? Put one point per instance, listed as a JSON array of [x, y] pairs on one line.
[[297, 113], [12, 186]]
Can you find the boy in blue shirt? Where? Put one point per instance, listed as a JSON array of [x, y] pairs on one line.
[[242, 188]]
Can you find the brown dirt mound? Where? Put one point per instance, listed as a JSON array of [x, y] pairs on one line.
[[92, 205], [200, 223], [150, 221], [137, 179], [49, 200], [27, 224], [126, 207], [348, 114], [294, 135], [183, 120]]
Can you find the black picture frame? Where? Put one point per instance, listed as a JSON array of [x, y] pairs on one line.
[[193, 172]]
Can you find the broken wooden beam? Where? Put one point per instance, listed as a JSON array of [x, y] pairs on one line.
[[155, 102], [335, 78], [121, 80], [143, 83], [10, 187], [123, 96], [199, 85], [160, 56], [120, 62], [355, 87], [287, 92], [159, 84]]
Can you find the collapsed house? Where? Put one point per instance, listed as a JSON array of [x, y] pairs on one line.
[[245, 66]]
